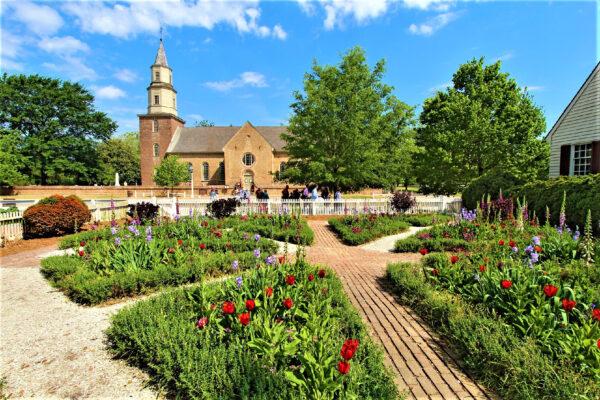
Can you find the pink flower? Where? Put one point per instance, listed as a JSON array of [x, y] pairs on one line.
[[202, 322]]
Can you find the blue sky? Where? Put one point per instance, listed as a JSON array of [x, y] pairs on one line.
[[238, 61]]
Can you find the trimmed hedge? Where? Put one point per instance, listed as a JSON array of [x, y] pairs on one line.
[[54, 216], [490, 183], [489, 348], [357, 230], [413, 244], [583, 193]]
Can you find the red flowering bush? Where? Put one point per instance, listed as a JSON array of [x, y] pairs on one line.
[[55, 216]]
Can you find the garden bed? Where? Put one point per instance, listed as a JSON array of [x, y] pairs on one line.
[[519, 307], [276, 332], [359, 229], [125, 261]]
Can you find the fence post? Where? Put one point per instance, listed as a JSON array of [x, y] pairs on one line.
[[443, 199], [268, 206]]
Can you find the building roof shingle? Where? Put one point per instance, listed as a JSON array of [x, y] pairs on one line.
[[212, 139]]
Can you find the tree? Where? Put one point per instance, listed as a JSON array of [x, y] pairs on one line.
[[347, 128], [57, 125], [170, 172], [484, 122], [122, 155], [11, 160], [204, 122]]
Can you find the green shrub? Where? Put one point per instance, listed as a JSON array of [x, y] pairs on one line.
[[583, 194], [413, 244], [489, 183], [281, 353], [54, 216], [359, 229], [283, 227], [488, 347]]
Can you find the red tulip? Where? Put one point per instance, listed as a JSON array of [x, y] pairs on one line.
[[423, 251], [82, 243], [290, 279], [311, 277], [179, 242], [501, 242], [321, 273], [269, 291], [349, 348], [537, 248], [454, 259], [81, 253], [506, 284], [512, 243], [228, 307], [344, 366], [596, 314], [202, 246], [435, 272], [202, 322], [482, 268], [598, 343], [550, 290], [568, 305], [250, 304], [171, 250], [288, 303], [244, 318], [281, 259]]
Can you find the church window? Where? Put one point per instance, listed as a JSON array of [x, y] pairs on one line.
[[222, 171], [155, 147], [157, 76], [205, 171], [154, 125], [248, 159], [156, 99]]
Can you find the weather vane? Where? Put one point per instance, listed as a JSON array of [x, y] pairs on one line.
[[161, 30]]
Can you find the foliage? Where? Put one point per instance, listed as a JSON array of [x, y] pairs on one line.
[[57, 125], [238, 339], [490, 183], [493, 351], [204, 122], [347, 127], [222, 208], [144, 212], [11, 159], [291, 228], [170, 172], [120, 155], [359, 229], [403, 201], [582, 194], [55, 216], [10, 209], [485, 122]]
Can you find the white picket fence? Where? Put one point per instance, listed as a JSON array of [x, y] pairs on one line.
[[171, 206], [11, 226]]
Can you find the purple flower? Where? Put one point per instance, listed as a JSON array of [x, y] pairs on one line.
[[534, 257], [257, 237], [133, 229], [256, 253], [515, 249], [576, 235], [536, 240], [113, 230], [270, 260], [118, 241], [529, 249], [562, 219], [235, 265], [239, 281]]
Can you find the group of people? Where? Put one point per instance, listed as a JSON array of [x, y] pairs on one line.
[[309, 192]]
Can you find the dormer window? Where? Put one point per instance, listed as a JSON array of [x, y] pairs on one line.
[[156, 100]]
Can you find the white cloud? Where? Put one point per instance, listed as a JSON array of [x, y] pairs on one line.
[[437, 5], [195, 117], [441, 87], [126, 75], [65, 45], [108, 92], [7, 64], [534, 88], [247, 78], [279, 33], [73, 67], [40, 19], [127, 19], [504, 57], [433, 24], [337, 10]]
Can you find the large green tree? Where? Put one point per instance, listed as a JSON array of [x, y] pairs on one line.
[[483, 122], [347, 128], [11, 159], [58, 127], [120, 155], [171, 172]]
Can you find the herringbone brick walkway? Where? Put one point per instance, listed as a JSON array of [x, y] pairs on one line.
[[424, 368]]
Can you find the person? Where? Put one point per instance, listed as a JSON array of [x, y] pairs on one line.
[[314, 195], [258, 194], [337, 195], [325, 193], [285, 193], [265, 195], [213, 194], [305, 192], [295, 194]]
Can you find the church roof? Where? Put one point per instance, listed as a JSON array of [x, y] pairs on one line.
[[161, 56], [212, 139]]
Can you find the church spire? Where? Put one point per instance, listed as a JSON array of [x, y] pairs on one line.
[[161, 56]]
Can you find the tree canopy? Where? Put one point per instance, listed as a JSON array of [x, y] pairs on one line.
[[484, 121], [171, 172], [56, 125], [347, 129], [120, 154]]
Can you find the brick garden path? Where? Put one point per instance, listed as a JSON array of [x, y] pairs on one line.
[[423, 367]]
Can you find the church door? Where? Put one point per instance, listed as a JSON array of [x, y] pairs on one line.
[[248, 180]]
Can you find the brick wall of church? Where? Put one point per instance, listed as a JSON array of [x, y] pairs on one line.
[[166, 128]]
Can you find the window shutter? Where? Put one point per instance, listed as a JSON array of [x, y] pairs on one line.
[[595, 157], [565, 159]]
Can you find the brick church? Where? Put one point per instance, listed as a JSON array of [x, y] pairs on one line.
[[220, 156]]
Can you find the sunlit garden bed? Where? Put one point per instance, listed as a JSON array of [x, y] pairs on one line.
[[280, 331], [518, 303]]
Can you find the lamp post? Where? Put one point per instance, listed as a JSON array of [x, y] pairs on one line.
[[191, 169]]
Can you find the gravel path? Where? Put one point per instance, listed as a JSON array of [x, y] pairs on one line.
[[386, 244], [51, 347]]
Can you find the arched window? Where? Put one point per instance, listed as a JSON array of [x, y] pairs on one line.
[[154, 125], [282, 167], [156, 150], [157, 76], [222, 171], [248, 159], [205, 171]]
